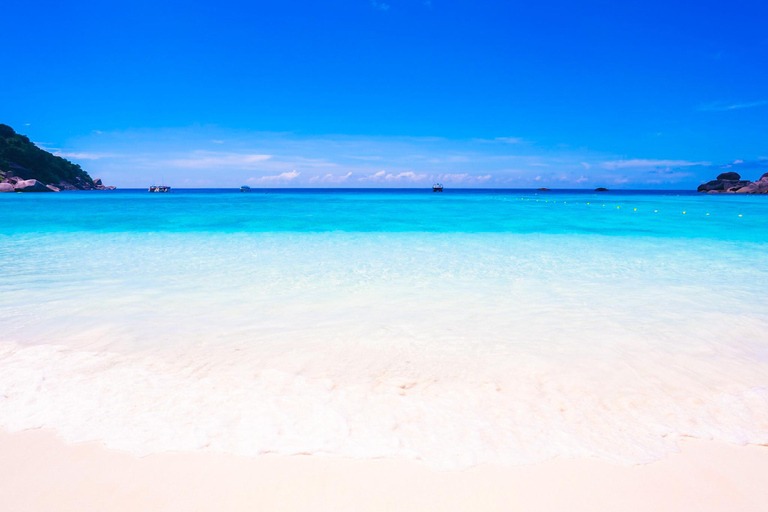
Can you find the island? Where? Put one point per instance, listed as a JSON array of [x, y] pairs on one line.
[[731, 183], [24, 167]]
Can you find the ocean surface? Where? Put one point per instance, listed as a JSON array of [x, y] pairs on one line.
[[468, 327]]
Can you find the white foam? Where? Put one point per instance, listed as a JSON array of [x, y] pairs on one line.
[[454, 349]]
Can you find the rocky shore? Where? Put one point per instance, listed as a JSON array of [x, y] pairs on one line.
[[731, 183], [24, 167], [9, 182]]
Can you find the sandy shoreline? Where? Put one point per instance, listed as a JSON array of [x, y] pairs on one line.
[[39, 472]]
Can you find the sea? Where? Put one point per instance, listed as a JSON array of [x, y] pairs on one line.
[[458, 328]]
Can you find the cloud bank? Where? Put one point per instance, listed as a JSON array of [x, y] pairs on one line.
[[214, 157]]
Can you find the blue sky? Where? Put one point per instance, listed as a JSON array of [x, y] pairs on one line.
[[392, 93]]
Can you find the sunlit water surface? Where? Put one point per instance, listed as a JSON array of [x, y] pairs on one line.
[[458, 328]]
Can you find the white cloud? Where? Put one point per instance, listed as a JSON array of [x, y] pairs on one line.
[[383, 176], [346, 160], [453, 159], [454, 178], [84, 156], [509, 140], [330, 178], [464, 178], [364, 158], [277, 178], [640, 162], [405, 176], [720, 106], [379, 5], [218, 160], [501, 140]]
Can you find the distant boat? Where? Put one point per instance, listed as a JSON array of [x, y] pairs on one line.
[[159, 188], [437, 187], [245, 188]]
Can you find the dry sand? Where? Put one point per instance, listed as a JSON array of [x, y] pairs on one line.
[[38, 472]]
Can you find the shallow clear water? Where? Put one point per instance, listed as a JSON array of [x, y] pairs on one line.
[[458, 328]]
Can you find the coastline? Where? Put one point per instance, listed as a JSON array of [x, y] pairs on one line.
[[40, 472]]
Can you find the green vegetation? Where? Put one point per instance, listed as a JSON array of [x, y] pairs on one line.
[[24, 159]]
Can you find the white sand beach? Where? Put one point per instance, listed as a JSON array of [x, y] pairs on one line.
[[39, 472]]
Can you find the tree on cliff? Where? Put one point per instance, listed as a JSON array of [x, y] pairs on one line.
[[20, 156]]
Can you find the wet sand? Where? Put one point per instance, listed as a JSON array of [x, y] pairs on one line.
[[40, 472]]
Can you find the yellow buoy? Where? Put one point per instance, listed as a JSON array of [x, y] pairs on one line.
[[740, 215]]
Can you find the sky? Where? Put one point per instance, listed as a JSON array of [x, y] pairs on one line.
[[394, 93]]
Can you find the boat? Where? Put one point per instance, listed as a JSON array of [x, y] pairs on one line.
[[437, 187], [245, 188], [159, 188]]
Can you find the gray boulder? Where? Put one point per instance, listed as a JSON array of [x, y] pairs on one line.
[[733, 186], [65, 185], [711, 186], [729, 176], [723, 185], [31, 186], [752, 188], [6, 187]]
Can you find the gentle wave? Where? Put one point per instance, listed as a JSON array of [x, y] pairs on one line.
[[457, 349]]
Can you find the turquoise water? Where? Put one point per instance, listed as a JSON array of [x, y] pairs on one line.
[[457, 328], [472, 211]]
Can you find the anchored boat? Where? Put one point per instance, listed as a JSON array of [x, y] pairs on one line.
[[159, 188], [437, 187], [245, 188]]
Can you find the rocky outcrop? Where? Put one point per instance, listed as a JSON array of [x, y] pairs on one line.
[[81, 184], [729, 176], [731, 182], [9, 182], [32, 186], [21, 160], [601, 189]]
